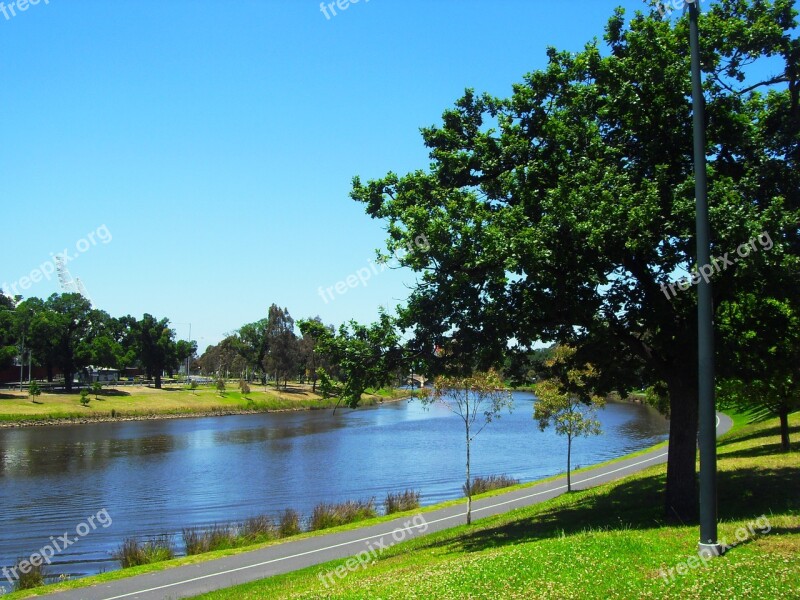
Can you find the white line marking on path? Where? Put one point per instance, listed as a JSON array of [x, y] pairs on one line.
[[372, 537]]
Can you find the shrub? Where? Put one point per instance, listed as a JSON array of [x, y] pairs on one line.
[[259, 528], [402, 501], [333, 515], [34, 391], [217, 537], [133, 553], [35, 577], [289, 523], [486, 484]]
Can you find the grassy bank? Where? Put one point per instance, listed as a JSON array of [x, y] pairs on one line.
[[608, 542], [135, 402]]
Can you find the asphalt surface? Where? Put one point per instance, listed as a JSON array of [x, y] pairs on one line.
[[364, 544]]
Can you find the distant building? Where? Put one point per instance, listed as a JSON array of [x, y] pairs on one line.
[[92, 374]]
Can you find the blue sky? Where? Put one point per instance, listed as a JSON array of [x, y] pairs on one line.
[[195, 157]]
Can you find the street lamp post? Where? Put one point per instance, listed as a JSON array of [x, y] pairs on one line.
[[705, 310]]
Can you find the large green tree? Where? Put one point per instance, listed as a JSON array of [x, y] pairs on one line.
[[68, 322], [564, 212], [156, 347]]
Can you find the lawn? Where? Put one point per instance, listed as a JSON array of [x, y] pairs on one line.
[[608, 542], [139, 401]]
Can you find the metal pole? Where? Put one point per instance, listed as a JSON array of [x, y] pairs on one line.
[[705, 311], [21, 361]]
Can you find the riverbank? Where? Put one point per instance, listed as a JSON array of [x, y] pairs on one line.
[[139, 403], [605, 542]]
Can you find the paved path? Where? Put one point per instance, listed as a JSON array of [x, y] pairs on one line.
[[368, 542]]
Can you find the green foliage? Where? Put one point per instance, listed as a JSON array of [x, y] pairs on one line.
[[481, 485], [34, 391], [133, 553], [156, 346], [325, 516], [657, 396], [562, 212], [477, 399], [566, 401], [326, 386], [32, 577], [365, 357]]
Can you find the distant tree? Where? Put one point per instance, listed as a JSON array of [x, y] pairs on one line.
[[185, 351], [282, 358], [156, 348], [312, 358], [762, 338], [70, 320], [252, 344], [8, 341], [223, 358], [364, 356], [477, 399], [34, 391], [566, 401]]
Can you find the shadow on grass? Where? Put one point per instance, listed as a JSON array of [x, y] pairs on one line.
[[765, 450], [638, 504], [774, 432]]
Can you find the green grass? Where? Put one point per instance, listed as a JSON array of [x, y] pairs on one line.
[[608, 542], [142, 402]]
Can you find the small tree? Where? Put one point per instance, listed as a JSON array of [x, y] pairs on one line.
[[85, 397], [34, 391], [480, 396], [97, 387], [565, 401], [221, 386]]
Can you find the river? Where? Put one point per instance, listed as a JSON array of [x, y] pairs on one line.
[[155, 477]]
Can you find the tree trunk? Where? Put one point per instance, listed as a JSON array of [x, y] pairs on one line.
[[569, 457], [783, 413], [682, 501], [469, 486]]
